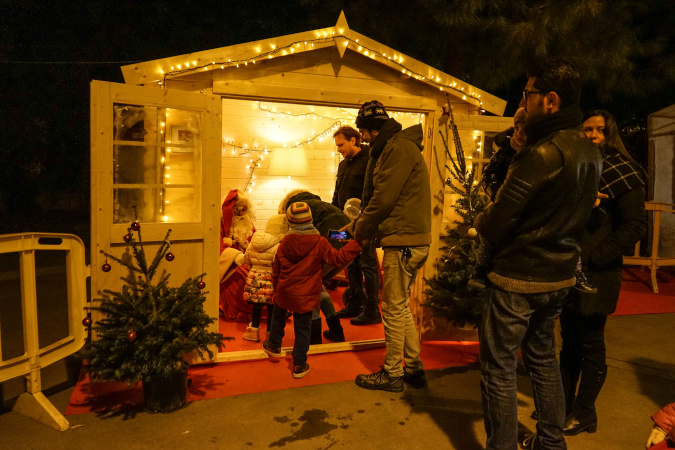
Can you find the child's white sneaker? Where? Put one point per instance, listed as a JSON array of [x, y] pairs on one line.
[[252, 333]]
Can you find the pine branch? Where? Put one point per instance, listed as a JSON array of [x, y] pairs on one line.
[[139, 255], [455, 171], [124, 263], [160, 253]]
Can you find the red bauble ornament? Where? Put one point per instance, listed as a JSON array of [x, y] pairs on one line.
[[131, 336], [201, 284], [106, 267], [86, 321], [135, 226], [127, 237], [170, 256]]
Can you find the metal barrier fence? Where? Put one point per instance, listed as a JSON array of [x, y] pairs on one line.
[[33, 403]]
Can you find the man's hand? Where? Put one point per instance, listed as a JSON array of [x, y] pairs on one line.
[[600, 197], [349, 228]]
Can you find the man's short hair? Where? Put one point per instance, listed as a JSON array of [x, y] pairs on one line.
[[561, 76], [348, 133]]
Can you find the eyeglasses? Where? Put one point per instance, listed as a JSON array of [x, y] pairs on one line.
[[527, 93]]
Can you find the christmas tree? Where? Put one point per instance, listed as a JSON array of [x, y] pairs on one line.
[[448, 293], [147, 329]]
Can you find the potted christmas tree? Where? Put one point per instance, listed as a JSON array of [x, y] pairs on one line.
[[148, 328]]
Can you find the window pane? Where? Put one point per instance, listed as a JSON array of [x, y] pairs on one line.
[[156, 164], [168, 204]]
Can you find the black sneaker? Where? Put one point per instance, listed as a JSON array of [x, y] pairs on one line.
[[270, 349], [369, 316], [300, 371], [380, 381], [416, 379], [351, 310]]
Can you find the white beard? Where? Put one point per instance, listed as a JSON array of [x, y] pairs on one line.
[[241, 229]]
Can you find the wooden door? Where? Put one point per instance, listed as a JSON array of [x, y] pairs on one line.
[[155, 158]]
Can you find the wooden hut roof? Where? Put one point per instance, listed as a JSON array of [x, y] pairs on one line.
[[340, 36]]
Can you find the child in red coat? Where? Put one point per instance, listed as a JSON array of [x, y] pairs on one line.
[[297, 274], [663, 433]]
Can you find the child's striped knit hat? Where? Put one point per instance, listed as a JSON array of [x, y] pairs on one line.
[[298, 213]]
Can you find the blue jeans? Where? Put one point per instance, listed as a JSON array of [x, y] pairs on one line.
[[364, 265], [400, 333], [302, 325], [511, 321]]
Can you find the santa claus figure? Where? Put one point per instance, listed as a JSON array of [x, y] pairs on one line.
[[236, 230], [237, 226]]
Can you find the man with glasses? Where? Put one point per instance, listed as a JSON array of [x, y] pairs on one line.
[[535, 225]]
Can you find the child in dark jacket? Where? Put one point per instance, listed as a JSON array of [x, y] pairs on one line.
[[297, 274]]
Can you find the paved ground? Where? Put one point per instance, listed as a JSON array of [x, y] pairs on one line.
[[447, 415]]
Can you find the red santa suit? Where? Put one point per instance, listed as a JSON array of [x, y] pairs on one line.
[[235, 234]]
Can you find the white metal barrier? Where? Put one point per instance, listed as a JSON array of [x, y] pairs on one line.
[[33, 403]]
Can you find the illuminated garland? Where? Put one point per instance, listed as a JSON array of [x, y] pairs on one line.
[[291, 48], [255, 163]]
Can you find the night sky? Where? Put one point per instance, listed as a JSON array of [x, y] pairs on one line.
[[50, 51]]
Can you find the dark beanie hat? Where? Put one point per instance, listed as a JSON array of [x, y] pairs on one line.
[[372, 116]]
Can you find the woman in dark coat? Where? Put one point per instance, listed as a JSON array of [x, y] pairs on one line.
[[613, 229]]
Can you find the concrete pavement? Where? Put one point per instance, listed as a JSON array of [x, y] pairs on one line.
[[447, 415]]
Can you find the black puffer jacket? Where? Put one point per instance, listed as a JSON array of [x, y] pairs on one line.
[[350, 176], [325, 216], [537, 219]]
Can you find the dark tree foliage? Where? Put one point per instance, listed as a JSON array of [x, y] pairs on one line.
[[50, 51], [148, 328], [448, 294]]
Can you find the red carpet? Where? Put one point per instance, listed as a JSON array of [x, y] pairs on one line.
[[636, 295], [246, 377], [352, 332]]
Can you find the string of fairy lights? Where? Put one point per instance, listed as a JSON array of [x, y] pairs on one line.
[[291, 48], [258, 154], [325, 37], [255, 162]]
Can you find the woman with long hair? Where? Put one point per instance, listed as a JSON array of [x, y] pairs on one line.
[[613, 229]]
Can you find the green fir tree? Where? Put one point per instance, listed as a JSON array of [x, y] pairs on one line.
[[147, 329], [448, 294]]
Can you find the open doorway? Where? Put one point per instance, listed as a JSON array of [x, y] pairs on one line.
[[251, 133]]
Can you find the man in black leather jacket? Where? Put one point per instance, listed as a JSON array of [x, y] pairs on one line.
[[535, 224]]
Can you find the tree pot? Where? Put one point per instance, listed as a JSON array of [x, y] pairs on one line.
[[166, 394]]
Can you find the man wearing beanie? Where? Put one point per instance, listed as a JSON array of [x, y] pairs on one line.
[[396, 211], [534, 225], [297, 273]]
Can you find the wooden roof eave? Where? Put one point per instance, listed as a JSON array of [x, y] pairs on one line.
[[340, 36]]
